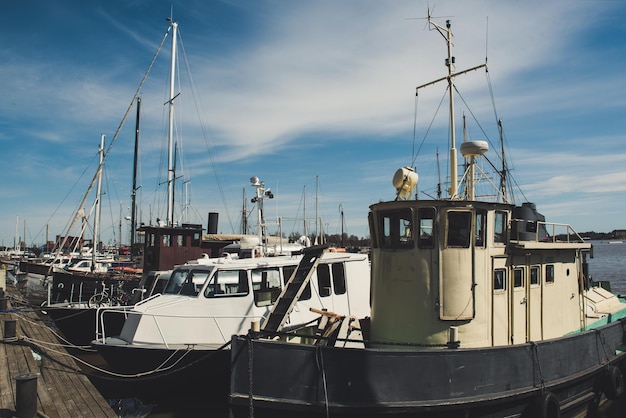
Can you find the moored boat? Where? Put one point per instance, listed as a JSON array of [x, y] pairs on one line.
[[478, 308]]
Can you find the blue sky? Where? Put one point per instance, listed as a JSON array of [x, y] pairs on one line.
[[291, 91]]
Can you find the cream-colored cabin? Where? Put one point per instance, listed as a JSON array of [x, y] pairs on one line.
[[476, 267]]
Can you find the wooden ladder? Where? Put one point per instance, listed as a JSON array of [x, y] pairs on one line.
[[294, 288]]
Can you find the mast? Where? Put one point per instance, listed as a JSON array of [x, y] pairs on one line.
[[96, 226], [450, 61], [503, 175], [133, 209], [170, 135]]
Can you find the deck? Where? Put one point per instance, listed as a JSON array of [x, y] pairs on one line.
[[62, 390]]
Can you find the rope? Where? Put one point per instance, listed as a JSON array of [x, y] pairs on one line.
[[535, 348], [250, 378], [319, 359]]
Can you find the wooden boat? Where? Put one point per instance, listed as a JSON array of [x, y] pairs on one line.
[[478, 309]]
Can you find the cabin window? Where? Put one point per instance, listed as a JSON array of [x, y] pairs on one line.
[[549, 273], [479, 229], [195, 241], [499, 279], [323, 280], [287, 273], [266, 285], [227, 283], [499, 227], [426, 218], [534, 275], [397, 229], [518, 277], [167, 240], [339, 278], [176, 281], [459, 229]]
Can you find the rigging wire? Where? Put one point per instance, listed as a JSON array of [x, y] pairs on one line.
[[206, 135]]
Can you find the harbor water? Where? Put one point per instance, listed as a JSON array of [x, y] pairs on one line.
[[609, 263]]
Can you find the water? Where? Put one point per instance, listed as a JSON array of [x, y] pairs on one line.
[[609, 263]]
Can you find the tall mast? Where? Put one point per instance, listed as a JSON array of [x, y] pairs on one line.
[[133, 209], [447, 35], [449, 63], [96, 226], [170, 135]]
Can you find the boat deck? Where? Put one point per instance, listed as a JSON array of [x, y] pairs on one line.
[[62, 391]]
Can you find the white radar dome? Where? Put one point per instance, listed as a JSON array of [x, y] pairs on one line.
[[474, 148], [404, 180]]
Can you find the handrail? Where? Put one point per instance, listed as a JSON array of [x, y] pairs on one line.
[[550, 230]]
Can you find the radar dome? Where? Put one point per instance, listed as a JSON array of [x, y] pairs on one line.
[[474, 148]]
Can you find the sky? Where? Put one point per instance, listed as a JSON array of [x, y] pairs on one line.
[[315, 98]]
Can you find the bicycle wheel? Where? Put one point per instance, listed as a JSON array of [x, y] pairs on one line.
[[98, 300]]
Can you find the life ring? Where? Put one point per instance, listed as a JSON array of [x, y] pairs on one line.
[[545, 405], [613, 383]]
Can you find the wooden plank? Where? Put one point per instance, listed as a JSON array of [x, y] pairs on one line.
[[62, 389]]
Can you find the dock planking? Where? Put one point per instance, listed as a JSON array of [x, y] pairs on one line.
[[62, 390]]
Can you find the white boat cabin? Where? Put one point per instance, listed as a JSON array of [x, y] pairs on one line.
[[206, 302]]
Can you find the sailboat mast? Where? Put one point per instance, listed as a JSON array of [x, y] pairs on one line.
[[133, 209], [96, 226], [170, 135]]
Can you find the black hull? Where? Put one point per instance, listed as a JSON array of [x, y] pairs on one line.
[[78, 325], [307, 380], [183, 374]]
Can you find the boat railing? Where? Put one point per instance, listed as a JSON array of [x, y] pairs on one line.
[[542, 231], [224, 335]]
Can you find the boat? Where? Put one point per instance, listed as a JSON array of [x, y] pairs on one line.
[[478, 309], [182, 333]]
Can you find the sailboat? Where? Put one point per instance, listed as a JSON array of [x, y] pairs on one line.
[[479, 309], [74, 297]]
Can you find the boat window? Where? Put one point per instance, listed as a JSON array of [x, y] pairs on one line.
[[176, 282], [518, 277], [459, 229], [339, 278], [287, 273], [426, 218], [499, 279], [479, 229], [397, 229], [180, 240], [266, 285], [373, 231], [323, 280], [534, 275], [227, 283], [167, 240], [194, 282], [499, 228], [195, 241], [549, 273]]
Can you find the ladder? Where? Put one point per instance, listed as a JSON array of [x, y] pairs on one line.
[[293, 289]]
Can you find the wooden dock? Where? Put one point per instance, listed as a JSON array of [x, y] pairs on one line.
[[62, 390]]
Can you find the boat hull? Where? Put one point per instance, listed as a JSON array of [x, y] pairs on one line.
[[498, 381], [152, 373], [78, 325]]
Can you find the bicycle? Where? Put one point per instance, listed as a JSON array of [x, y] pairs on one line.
[[103, 299]]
